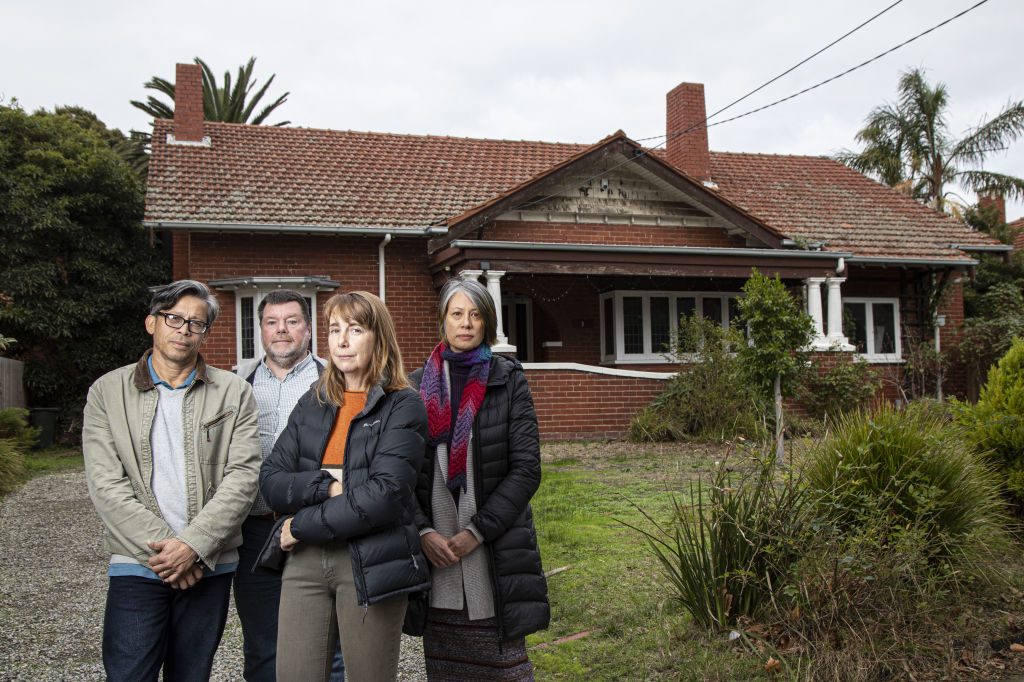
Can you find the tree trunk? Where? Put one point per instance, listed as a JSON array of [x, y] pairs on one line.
[[780, 453]]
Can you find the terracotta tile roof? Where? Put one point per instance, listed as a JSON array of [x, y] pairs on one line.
[[816, 198], [303, 176]]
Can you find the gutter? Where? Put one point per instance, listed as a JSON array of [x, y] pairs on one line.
[[693, 250], [1003, 248], [871, 260], [304, 229]]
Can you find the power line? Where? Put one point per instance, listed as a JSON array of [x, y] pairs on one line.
[[704, 123], [789, 70]]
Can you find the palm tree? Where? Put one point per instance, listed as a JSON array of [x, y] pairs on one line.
[[908, 145], [227, 103]]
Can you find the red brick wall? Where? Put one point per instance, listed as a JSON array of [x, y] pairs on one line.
[[574, 405], [594, 233], [685, 109], [352, 261], [188, 102]]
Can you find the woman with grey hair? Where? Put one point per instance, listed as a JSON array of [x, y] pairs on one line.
[[481, 468]]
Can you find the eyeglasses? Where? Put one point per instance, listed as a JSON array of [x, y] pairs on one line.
[[177, 322]]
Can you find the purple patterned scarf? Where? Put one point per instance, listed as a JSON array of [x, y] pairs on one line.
[[434, 391]]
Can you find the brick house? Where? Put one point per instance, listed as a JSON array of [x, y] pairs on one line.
[[592, 251]]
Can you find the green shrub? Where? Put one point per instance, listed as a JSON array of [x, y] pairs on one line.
[[913, 471], [829, 393], [996, 423], [14, 424], [16, 438], [724, 554], [12, 464], [709, 398]]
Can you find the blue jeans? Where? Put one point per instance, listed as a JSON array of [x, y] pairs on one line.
[[257, 596], [148, 625]]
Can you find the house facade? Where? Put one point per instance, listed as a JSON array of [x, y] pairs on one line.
[[591, 251]]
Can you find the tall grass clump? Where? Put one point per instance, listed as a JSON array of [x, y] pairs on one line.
[[914, 469], [996, 423], [731, 542], [908, 523], [16, 438], [709, 398]]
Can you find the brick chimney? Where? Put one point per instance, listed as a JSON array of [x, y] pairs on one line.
[[995, 201], [688, 151], [188, 103]]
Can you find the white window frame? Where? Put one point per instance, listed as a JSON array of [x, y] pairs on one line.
[[869, 319], [651, 355], [257, 288]]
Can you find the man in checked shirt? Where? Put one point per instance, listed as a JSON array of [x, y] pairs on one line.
[[278, 381]]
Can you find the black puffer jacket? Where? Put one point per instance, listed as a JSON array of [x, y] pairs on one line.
[[506, 465], [383, 454]]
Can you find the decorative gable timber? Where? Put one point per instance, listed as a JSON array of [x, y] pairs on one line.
[[640, 208], [654, 179]]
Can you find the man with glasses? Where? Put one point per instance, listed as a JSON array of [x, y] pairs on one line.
[[172, 460]]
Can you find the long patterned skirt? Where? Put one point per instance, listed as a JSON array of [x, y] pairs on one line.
[[457, 648]]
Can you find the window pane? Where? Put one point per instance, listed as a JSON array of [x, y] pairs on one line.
[[734, 309], [855, 325], [713, 309], [686, 306], [633, 324], [884, 322], [660, 324], [246, 329], [609, 326]]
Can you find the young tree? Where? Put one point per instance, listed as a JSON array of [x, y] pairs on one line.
[[908, 145], [75, 261], [780, 334], [228, 103]]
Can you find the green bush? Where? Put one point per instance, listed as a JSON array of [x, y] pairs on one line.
[[16, 437], [832, 392], [914, 472], [996, 423], [709, 398], [14, 424], [724, 554]]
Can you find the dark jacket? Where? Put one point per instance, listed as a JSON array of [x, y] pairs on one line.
[[506, 465], [383, 454]]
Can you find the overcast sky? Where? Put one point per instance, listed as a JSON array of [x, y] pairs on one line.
[[557, 71]]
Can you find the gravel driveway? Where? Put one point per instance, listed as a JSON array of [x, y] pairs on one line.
[[53, 585]]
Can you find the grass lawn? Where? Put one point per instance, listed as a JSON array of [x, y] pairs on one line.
[[613, 589], [52, 460]]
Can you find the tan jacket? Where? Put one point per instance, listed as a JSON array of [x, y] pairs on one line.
[[222, 460]]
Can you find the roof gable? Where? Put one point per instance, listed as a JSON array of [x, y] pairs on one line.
[[583, 184]]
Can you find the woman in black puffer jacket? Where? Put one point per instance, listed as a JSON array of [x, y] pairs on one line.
[[481, 468], [346, 467]]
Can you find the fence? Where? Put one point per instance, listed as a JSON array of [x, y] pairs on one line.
[[12, 392]]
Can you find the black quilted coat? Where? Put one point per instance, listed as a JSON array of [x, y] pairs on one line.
[[374, 515], [506, 465]]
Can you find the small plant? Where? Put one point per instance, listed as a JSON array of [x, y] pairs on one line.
[[724, 553], [841, 388]]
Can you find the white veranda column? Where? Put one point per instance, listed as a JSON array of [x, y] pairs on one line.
[[836, 339], [814, 311]]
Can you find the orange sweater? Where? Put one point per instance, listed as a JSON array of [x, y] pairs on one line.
[[334, 453]]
